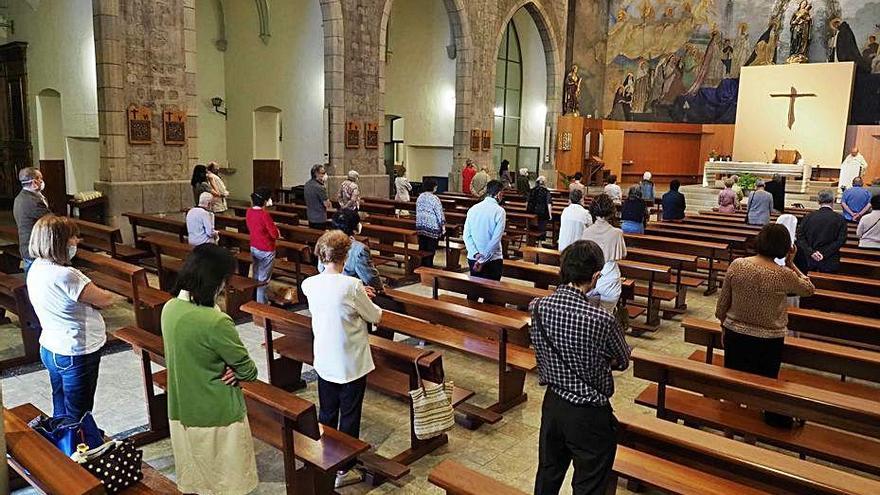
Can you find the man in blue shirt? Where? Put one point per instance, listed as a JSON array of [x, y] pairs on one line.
[[673, 202], [856, 201], [483, 230]]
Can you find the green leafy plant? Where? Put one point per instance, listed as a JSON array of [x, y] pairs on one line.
[[747, 181]]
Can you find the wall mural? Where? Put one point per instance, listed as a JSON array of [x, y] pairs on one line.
[[680, 60]]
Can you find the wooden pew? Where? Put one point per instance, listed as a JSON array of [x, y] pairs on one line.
[[239, 290], [827, 414], [677, 459], [453, 249], [14, 299], [491, 291], [679, 263], [845, 283], [100, 237], [290, 258], [859, 268], [714, 252], [394, 374], [825, 357], [455, 479], [129, 281], [278, 418], [843, 302], [735, 242], [839, 327], [171, 226], [44, 467], [392, 242]]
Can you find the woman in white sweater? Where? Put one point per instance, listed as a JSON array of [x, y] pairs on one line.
[[341, 307]]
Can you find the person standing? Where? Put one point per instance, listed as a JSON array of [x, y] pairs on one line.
[[340, 307], [216, 182], [727, 198], [760, 205], [576, 183], [613, 190], [539, 203], [483, 229], [504, 174], [200, 184], [634, 212], [210, 434], [577, 345], [776, 188], [467, 175], [673, 202], [820, 236], [317, 202], [263, 233], [479, 182], [854, 165], [610, 240], [350, 193], [430, 221], [359, 263], [752, 307], [869, 226], [67, 303], [575, 218], [737, 189], [200, 222], [402, 186], [522, 182], [856, 201], [647, 186], [29, 206]]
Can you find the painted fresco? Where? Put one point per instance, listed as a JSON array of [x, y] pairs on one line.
[[679, 60]]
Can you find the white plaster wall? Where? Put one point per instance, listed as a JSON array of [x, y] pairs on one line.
[[61, 56], [210, 82], [534, 95], [287, 73], [420, 84]]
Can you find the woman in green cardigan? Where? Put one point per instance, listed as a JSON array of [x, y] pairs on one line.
[[210, 436]]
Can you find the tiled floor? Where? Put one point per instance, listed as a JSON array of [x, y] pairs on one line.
[[506, 451]]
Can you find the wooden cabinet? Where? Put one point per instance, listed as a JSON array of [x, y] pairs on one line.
[[15, 143]]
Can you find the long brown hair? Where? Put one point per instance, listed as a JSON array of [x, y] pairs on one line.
[[50, 237]]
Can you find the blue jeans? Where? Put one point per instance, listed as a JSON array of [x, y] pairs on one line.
[[631, 227], [263, 261], [74, 380]]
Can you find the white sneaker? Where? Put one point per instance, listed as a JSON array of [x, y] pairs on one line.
[[350, 477]]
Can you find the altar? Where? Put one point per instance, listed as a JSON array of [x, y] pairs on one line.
[[760, 169]]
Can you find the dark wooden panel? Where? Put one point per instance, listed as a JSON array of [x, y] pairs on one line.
[[15, 144], [267, 173], [56, 185]]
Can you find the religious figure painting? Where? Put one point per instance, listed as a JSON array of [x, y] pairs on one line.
[[572, 96], [140, 125], [174, 127], [681, 60], [371, 136], [352, 135]]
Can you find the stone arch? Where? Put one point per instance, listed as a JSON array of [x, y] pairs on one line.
[[334, 79], [555, 69], [50, 128], [461, 34]]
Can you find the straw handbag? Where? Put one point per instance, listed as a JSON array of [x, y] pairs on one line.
[[432, 406]]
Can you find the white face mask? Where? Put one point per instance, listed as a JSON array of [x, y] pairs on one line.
[[269, 203], [71, 251], [358, 230], [42, 185]]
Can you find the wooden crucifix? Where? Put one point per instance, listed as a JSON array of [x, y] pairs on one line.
[[793, 96]]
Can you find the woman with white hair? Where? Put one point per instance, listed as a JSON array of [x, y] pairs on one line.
[[647, 186], [349, 192], [540, 204], [200, 222], [522, 182]]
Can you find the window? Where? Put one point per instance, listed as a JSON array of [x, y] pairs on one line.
[[508, 98]]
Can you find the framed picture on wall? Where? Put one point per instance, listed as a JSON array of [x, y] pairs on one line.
[[487, 140], [174, 125], [565, 141], [475, 140], [371, 136], [140, 126], [352, 135]]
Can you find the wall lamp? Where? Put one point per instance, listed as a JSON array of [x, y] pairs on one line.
[[218, 102]]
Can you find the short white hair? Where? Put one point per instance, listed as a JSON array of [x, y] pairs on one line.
[[541, 180], [353, 175], [205, 199], [646, 176], [523, 171]]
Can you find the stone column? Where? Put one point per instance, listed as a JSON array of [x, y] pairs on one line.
[[145, 55]]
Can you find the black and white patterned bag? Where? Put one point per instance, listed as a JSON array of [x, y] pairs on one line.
[[116, 463]]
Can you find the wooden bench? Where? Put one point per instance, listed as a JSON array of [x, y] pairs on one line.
[[677, 459], [454, 249], [679, 263], [100, 237], [859, 268], [276, 417], [41, 465], [129, 281], [852, 330], [14, 299], [170, 256], [491, 291], [827, 414], [455, 479], [843, 302], [291, 258], [713, 252], [845, 283], [394, 375], [281, 214], [392, 242], [171, 226]]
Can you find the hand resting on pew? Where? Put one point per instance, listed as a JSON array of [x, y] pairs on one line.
[[98, 297]]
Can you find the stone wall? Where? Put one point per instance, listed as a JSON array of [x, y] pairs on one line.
[[145, 55]]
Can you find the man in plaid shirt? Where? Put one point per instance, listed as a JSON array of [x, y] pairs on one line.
[[577, 344]]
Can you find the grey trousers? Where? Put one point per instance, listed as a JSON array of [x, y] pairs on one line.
[[263, 261]]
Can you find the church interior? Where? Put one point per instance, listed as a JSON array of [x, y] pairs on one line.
[[687, 112]]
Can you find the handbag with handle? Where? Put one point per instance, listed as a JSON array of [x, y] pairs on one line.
[[432, 406], [66, 432], [117, 463]]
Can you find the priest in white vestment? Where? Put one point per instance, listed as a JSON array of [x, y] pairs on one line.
[[854, 165]]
